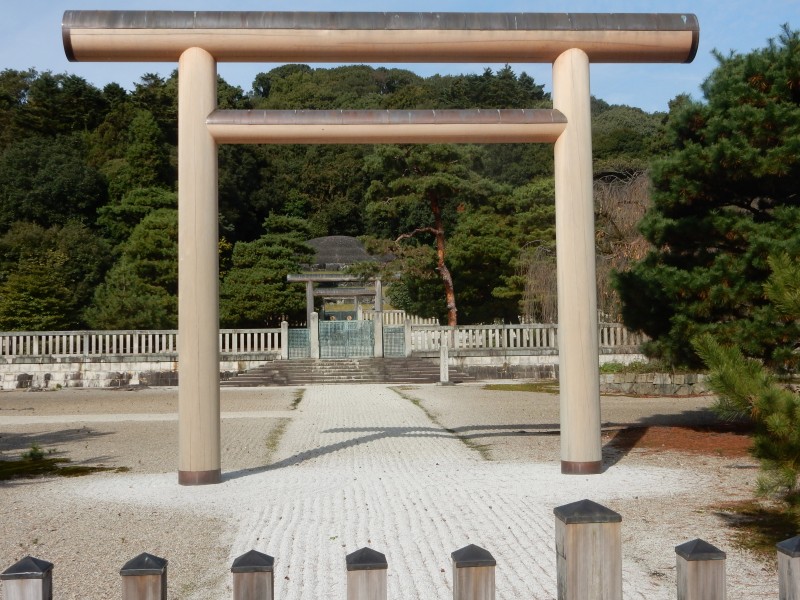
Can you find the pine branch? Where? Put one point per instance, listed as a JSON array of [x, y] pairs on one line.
[[411, 234]]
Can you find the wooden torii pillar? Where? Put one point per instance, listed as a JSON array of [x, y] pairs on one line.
[[198, 40]]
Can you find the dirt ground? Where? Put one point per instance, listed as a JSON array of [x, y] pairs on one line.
[[720, 440]]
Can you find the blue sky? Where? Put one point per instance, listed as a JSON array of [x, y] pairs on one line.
[[30, 36]]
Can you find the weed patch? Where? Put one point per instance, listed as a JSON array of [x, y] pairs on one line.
[[28, 467], [758, 527], [274, 438], [298, 397]]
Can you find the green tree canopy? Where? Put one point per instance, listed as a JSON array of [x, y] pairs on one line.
[[624, 139], [48, 276], [141, 289], [47, 181], [60, 104], [724, 200], [118, 219], [159, 96], [126, 301], [107, 158], [254, 292]]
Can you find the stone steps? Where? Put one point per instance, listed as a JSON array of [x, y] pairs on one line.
[[354, 370]]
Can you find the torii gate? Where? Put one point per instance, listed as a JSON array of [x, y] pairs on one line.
[[198, 40]]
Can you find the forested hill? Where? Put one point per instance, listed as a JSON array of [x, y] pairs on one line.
[[88, 227]]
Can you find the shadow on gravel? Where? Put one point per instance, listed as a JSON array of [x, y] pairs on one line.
[[379, 433], [624, 436], [37, 455], [13, 442], [466, 431]]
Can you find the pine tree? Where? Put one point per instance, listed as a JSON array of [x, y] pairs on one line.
[[746, 389], [724, 200], [254, 292], [141, 289]]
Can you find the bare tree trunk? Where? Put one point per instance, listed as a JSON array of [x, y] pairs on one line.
[[441, 266]]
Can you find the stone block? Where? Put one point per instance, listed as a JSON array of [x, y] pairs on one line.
[[118, 379], [662, 379]]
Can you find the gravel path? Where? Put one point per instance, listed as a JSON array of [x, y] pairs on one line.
[[401, 471]]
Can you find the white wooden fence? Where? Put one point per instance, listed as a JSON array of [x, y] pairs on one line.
[[588, 550], [399, 317], [128, 343], [515, 337], [424, 337]]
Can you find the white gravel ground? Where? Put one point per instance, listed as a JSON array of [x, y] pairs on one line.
[[353, 466]]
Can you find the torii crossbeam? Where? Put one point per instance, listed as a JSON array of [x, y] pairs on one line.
[[198, 40]]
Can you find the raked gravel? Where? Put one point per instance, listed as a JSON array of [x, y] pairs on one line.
[[354, 466]]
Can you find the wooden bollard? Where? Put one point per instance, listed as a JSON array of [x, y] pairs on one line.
[[28, 579], [366, 575], [473, 573], [588, 552], [701, 571], [789, 569], [144, 578], [252, 576]]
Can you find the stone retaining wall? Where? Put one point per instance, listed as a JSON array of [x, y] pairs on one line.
[[654, 384], [540, 365], [162, 370], [109, 371], [508, 371]]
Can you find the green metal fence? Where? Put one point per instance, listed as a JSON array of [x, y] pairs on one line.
[[299, 345], [346, 339], [394, 342]]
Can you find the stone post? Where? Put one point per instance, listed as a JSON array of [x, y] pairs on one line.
[[378, 325], [473, 574], [198, 273], [144, 578], [789, 569], [284, 340], [309, 301], [407, 341], [378, 295], [578, 347], [28, 579], [252, 576], [366, 575], [588, 552], [444, 358], [701, 571], [313, 335]]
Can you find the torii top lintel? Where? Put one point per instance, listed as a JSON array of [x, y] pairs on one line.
[[112, 36]]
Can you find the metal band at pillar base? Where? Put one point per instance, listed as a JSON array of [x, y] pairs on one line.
[[199, 477], [581, 468]]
